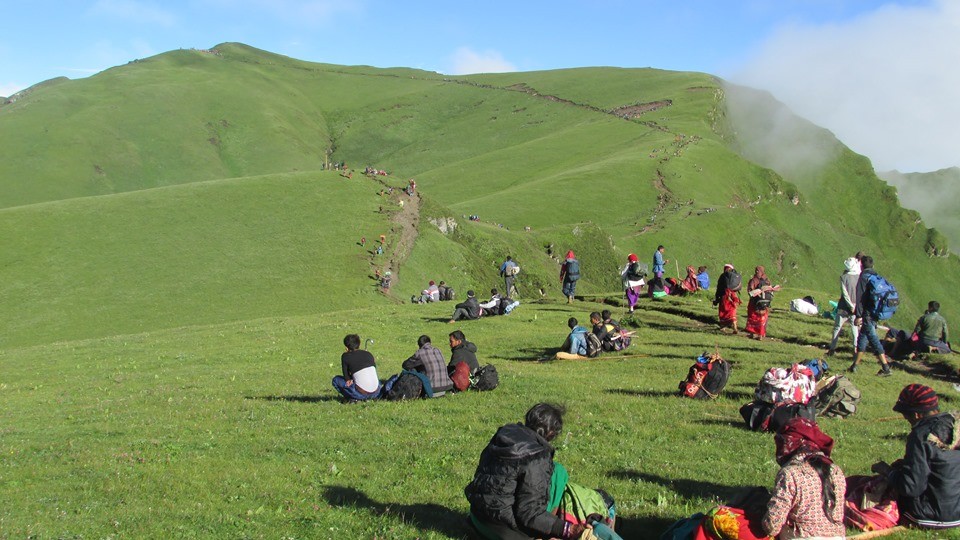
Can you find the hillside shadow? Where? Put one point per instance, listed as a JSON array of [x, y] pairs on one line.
[[432, 517], [936, 369], [297, 398], [684, 487]]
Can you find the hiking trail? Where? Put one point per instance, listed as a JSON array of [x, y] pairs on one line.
[[404, 229]]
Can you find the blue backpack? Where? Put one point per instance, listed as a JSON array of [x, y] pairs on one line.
[[883, 298]]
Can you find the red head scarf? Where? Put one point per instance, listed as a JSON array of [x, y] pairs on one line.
[[632, 257], [570, 255], [801, 434]]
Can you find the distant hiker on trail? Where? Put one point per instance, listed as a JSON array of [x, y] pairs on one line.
[[508, 271], [363, 241], [429, 361], [468, 309], [927, 479], [569, 274], [659, 261], [846, 305], [492, 306], [510, 491], [632, 278], [758, 307], [868, 326], [728, 297], [703, 278], [430, 294], [464, 351], [385, 280], [807, 500], [383, 239], [359, 380], [932, 330]]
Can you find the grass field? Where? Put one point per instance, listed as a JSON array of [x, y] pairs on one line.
[[233, 430]]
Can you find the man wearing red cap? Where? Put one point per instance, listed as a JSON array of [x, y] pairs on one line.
[[569, 274], [927, 479]]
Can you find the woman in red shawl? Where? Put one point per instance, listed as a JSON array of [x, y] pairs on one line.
[[690, 283], [728, 297], [808, 495], [758, 308]]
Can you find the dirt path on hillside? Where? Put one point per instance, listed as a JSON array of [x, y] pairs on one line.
[[404, 229]]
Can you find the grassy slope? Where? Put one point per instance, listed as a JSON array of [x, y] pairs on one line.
[[215, 251], [233, 430], [935, 195]]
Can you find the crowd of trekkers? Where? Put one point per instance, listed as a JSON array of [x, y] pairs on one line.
[[519, 491]]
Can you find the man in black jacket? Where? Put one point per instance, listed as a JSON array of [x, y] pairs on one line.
[[468, 309], [462, 350], [509, 492], [927, 479]]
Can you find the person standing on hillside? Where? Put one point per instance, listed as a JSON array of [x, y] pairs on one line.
[[932, 330], [758, 307], [508, 271], [927, 479], [569, 275], [868, 326], [728, 297], [359, 380], [659, 261], [429, 361], [846, 306], [632, 278]]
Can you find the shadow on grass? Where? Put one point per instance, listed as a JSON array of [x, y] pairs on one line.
[[421, 516], [643, 393], [642, 527], [298, 398], [736, 395], [530, 354], [928, 367], [682, 486], [734, 423]]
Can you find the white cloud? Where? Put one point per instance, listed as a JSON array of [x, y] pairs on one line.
[[9, 89], [885, 83], [135, 11], [466, 60]]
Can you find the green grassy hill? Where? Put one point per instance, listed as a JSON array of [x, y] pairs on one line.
[[179, 267], [936, 195], [637, 157]]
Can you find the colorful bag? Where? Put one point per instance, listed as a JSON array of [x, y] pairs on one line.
[[870, 505], [707, 377]]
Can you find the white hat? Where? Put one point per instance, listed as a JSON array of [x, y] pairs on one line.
[[852, 265]]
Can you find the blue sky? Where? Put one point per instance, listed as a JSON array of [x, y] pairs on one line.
[[785, 46]]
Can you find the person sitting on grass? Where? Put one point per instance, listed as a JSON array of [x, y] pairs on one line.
[[808, 496], [492, 306], [429, 361], [932, 330], [462, 350], [927, 479], [468, 309], [576, 342], [510, 492], [430, 294], [703, 278], [359, 380]]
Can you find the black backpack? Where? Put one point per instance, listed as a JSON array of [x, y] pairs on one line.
[[447, 293], [502, 308], [486, 378], [405, 386], [734, 281]]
